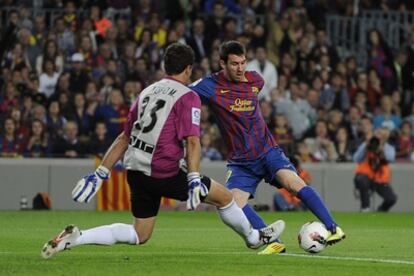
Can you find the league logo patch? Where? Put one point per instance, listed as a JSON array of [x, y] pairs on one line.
[[195, 116]]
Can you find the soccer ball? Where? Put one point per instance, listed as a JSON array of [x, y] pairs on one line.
[[312, 237]]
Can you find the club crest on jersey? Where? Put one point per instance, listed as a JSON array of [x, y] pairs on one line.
[[195, 116], [255, 89], [242, 105]]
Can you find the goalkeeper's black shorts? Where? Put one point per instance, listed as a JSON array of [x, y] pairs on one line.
[[146, 191]]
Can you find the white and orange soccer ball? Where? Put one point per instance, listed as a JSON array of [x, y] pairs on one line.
[[312, 237]]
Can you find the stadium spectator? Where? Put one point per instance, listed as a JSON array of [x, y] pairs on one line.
[[17, 58], [198, 41], [124, 31], [100, 22], [78, 77], [396, 103], [10, 145], [408, 76], [303, 153], [398, 70], [385, 116], [8, 98], [99, 142], [70, 15], [380, 58], [410, 118], [361, 102], [208, 151], [215, 21], [83, 119], [405, 144], [281, 38], [352, 123], [55, 122], [39, 31], [111, 39], [351, 72], [366, 88], [312, 98], [87, 50], [320, 145], [322, 48], [373, 172], [334, 120], [132, 88], [30, 50], [38, 144], [297, 111], [22, 130], [266, 69], [342, 145], [65, 36], [127, 59], [282, 133], [48, 79], [50, 52], [69, 145], [303, 56], [335, 96], [267, 112], [114, 114]]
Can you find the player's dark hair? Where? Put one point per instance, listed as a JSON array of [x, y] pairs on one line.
[[177, 57], [231, 48]]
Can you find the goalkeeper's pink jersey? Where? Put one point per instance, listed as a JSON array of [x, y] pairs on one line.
[[164, 114]]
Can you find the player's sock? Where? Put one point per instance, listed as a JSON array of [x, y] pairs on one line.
[[313, 201], [109, 234], [255, 220], [234, 217]]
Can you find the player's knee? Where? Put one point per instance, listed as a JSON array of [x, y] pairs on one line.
[[144, 238], [222, 196]]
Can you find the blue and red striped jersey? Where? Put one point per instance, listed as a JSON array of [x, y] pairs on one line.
[[237, 110]]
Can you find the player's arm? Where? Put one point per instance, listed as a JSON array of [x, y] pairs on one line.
[[115, 151], [196, 189], [88, 186], [203, 87], [188, 129], [193, 154]]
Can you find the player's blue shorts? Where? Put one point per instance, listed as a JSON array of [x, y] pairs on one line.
[[246, 175]]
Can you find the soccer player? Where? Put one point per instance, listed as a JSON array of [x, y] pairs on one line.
[[254, 154], [166, 114]]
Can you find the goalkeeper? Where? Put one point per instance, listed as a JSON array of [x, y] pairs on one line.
[[166, 114]]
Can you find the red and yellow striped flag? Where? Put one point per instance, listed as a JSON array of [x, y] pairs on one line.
[[114, 194]]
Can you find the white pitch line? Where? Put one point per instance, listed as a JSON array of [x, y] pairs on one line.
[[359, 259], [309, 256], [349, 259]]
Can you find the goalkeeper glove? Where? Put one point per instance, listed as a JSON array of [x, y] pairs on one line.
[[195, 189], [87, 187]]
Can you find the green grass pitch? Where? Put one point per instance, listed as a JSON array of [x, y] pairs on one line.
[[198, 243]]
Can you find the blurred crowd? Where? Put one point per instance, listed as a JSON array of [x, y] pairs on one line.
[[68, 76]]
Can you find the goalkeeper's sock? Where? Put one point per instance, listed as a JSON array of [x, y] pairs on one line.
[[255, 220], [233, 216], [313, 201], [109, 234]]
